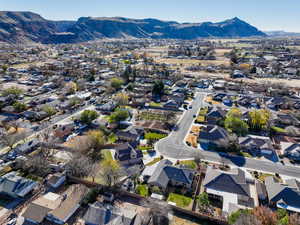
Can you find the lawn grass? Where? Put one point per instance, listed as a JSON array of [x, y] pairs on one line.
[[145, 148], [200, 119], [153, 162], [154, 136], [278, 129], [180, 200], [189, 163], [142, 190], [112, 138], [263, 176], [154, 104], [153, 116], [245, 154], [106, 154]]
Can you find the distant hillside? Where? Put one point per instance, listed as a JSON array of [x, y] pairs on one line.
[[19, 27], [281, 33]]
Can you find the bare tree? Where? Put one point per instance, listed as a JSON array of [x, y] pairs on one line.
[[35, 165], [11, 139], [110, 172], [48, 143], [79, 166], [294, 219], [94, 171], [82, 145]]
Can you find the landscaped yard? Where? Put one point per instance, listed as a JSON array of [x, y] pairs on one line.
[[155, 104], [200, 119], [153, 162], [154, 136], [142, 190], [147, 115], [210, 100], [189, 163], [196, 129], [180, 200], [106, 154], [112, 138], [145, 148], [245, 154], [192, 140]]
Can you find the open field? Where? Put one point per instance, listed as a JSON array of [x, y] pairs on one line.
[[190, 62], [290, 83]]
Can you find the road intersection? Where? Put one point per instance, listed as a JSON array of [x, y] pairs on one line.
[[174, 147]]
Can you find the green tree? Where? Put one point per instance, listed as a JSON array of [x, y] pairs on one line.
[[158, 88], [116, 83], [236, 125], [118, 115], [87, 116], [19, 106], [122, 99], [97, 138], [75, 101], [203, 201], [12, 91], [233, 217], [50, 110], [110, 172], [4, 68], [259, 119]]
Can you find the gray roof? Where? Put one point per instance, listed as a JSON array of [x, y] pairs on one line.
[[282, 193], [11, 184], [165, 172], [293, 151], [36, 213], [231, 182], [100, 214], [255, 142], [217, 112], [213, 133]]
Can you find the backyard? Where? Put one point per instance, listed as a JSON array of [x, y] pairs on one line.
[[180, 200]]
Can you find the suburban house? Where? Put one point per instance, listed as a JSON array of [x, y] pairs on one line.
[[127, 155], [286, 120], [54, 207], [131, 135], [56, 180], [234, 189], [291, 150], [172, 105], [15, 186], [99, 213], [215, 114], [166, 174], [27, 147], [212, 136], [34, 116], [107, 107], [63, 130], [285, 196], [258, 146]]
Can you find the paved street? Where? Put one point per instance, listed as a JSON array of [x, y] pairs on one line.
[[174, 147]]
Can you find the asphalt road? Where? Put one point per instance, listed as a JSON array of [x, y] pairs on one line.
[[173, 147]]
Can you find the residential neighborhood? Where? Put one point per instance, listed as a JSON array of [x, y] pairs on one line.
[[139, 131]]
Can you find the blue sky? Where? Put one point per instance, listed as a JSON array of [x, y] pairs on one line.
[[265, 14]]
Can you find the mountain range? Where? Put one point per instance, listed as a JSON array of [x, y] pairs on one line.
[[22, 27], [281, 33]]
